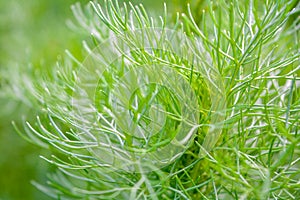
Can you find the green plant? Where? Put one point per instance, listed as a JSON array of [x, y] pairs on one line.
[[229, 81]]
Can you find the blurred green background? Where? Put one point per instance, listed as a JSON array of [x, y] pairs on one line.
[[31, 31], [34, 32]]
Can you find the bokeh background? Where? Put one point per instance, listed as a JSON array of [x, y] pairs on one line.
[[35, 33], [32, 32]]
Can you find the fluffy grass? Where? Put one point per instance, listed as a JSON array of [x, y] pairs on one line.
[[245, 74]]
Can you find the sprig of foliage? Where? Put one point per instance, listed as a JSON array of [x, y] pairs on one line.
[[250, 48]]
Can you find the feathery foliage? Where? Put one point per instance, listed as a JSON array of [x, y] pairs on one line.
[[174, 109]]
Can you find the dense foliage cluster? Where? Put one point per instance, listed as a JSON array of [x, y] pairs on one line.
[[224, 86]]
